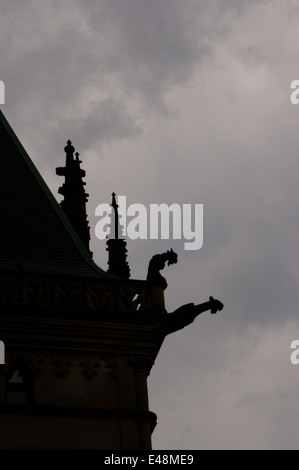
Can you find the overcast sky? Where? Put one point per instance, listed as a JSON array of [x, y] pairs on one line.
[[187, 102]]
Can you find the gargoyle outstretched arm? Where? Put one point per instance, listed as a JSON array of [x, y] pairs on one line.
[[186, 314]]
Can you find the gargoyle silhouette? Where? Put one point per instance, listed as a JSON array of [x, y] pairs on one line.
[[156, 264], [186, 314]]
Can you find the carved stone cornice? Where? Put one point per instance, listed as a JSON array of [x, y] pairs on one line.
[[83, 413], [122, 334], [61, 364], [86, 317], [117, 336]]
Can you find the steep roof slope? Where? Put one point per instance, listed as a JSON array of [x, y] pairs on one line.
[[35, 235]]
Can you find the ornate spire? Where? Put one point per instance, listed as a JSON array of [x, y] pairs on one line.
[[116, 246], [75, 198]]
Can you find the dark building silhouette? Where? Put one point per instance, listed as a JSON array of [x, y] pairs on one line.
[[79, 341]]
